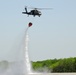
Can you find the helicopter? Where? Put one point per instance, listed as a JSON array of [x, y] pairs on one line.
[[34, 11]]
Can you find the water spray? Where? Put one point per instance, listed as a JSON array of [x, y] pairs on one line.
[[27, 61], [21, 66]]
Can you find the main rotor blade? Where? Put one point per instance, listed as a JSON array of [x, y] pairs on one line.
[[45, 8], [39, 8]]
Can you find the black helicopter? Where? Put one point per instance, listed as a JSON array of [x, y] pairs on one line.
[[34, 12]]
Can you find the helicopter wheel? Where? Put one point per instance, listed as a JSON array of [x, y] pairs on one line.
[[39, 15], [34, 15]]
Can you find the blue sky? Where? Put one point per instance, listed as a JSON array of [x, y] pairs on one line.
[[53, 35]]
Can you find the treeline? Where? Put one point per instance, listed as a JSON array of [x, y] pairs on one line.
[[55, 65]]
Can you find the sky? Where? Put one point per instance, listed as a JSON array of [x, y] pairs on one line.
[[53, 35]]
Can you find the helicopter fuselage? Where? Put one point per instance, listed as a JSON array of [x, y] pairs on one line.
[[34, 12]]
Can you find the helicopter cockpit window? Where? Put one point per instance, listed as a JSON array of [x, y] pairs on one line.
[[39, 12]]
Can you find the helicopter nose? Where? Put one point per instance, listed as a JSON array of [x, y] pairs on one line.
[[40, 13]]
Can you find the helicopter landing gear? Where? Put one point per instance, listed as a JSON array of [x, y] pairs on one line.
[[39, 15], [34, 15]]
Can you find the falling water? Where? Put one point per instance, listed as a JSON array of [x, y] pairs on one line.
[[21, 65], [27, 61]]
